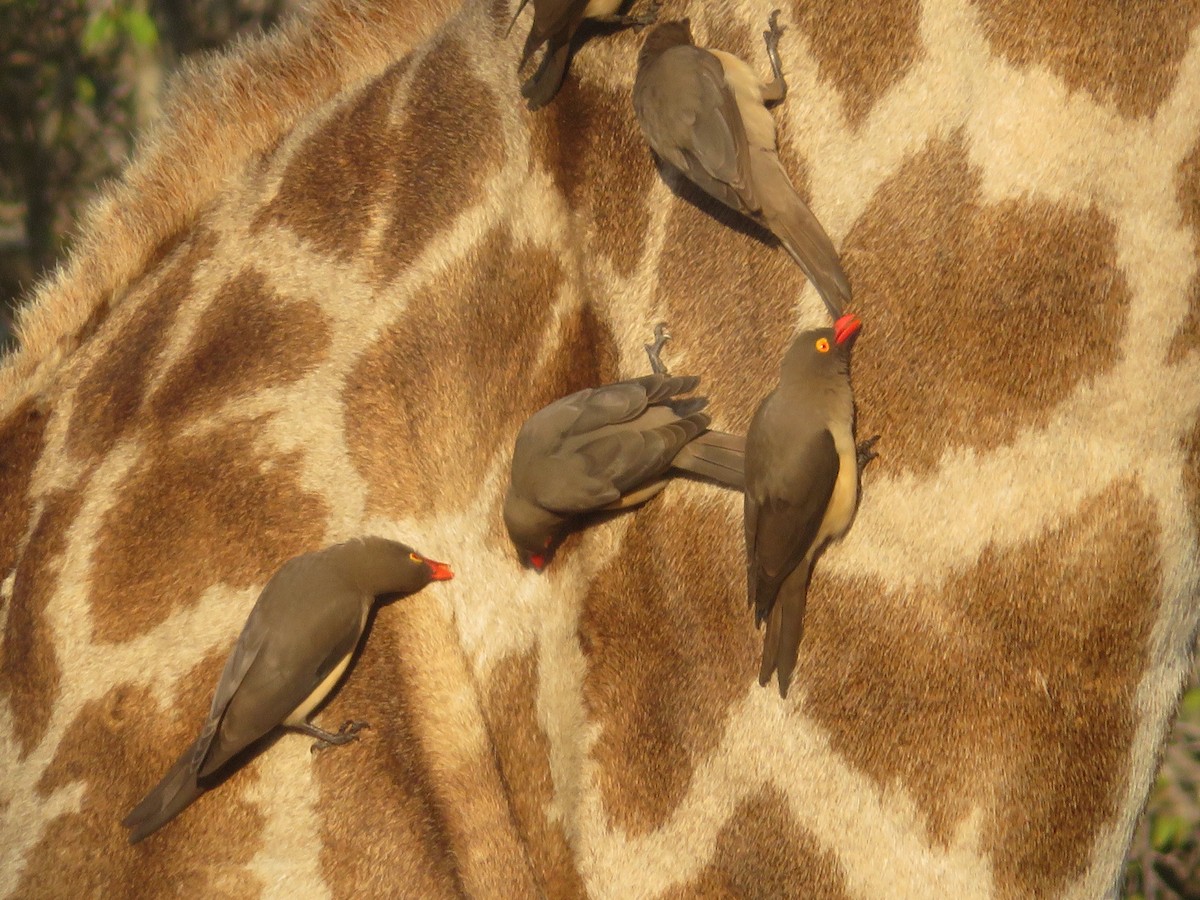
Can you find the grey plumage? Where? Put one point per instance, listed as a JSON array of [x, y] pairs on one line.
[[801, 486], [703, 111], [292, 651], [608, 448], [554, 25]]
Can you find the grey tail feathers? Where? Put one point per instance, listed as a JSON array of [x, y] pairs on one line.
[[715, 455], [545, 82], [801, 234], [785, 629], [166, 800]]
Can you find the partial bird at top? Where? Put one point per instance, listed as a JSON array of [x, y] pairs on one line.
[[554, 25], [704, 112]]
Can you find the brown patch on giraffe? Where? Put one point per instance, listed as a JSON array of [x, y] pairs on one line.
[[118, 746], [735, 341], [862, 52], [1127, 54], [203, 509], [20, 448], [664, 668], [755, 858], [29, 667], [1187, 337], [590, 142], [523, 754], [339, 174], [99, 314], [110, 395], [381, 785], [1190, 444], [453, 379], [248, 339], [501, 18], [1009, 688], [450, 143], [980, 318]]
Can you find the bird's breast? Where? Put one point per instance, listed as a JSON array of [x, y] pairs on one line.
[[300, 715], [845, 490], [747, 87], [597, 8]]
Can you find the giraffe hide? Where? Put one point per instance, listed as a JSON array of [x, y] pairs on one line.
[[349, 263]]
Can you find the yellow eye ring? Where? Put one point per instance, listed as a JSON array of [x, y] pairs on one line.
[[416, 558], [822, 345]]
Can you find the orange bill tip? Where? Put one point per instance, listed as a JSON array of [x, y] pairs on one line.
[[845, 328], [441, 571], [537, 560]]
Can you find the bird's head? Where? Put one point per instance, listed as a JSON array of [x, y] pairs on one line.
[[821, 350], [533, 530], [663, 37], [428, 569], [379, 565]]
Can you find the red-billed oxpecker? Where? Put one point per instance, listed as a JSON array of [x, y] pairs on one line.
[[802, 477], [704, 112], [292, 651], [609, 448]]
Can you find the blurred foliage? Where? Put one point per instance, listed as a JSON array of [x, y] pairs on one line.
[[1164, 860], [78, 79]]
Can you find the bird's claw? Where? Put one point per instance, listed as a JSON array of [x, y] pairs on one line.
[[865, 451], [772, 35], [776, 91], [347, 733], [661, 336], [649, 17]]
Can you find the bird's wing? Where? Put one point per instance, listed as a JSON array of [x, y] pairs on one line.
[[783, 524], [690, 118], [596, 469], [615, 403], [306, 621]]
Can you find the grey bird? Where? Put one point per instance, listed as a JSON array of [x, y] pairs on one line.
[[554, 25], [704, 112], [609, 448], [802, 479], [293, 650]]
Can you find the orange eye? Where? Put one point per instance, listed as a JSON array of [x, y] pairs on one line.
[[822, 345], [415, 557]]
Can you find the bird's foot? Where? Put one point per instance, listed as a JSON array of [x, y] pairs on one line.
[[776, 91], [865, 451], [325, 739], [661, 336], [649, 17]]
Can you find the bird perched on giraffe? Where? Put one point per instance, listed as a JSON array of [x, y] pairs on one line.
[[610, 448], [802, 485], [704, 112], [293, 650], [554, 25]]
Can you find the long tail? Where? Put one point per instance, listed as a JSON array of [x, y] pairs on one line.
[[785, 628], [517, 15], [545, 82], [715, 455], [167, 799], [799, 231]]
